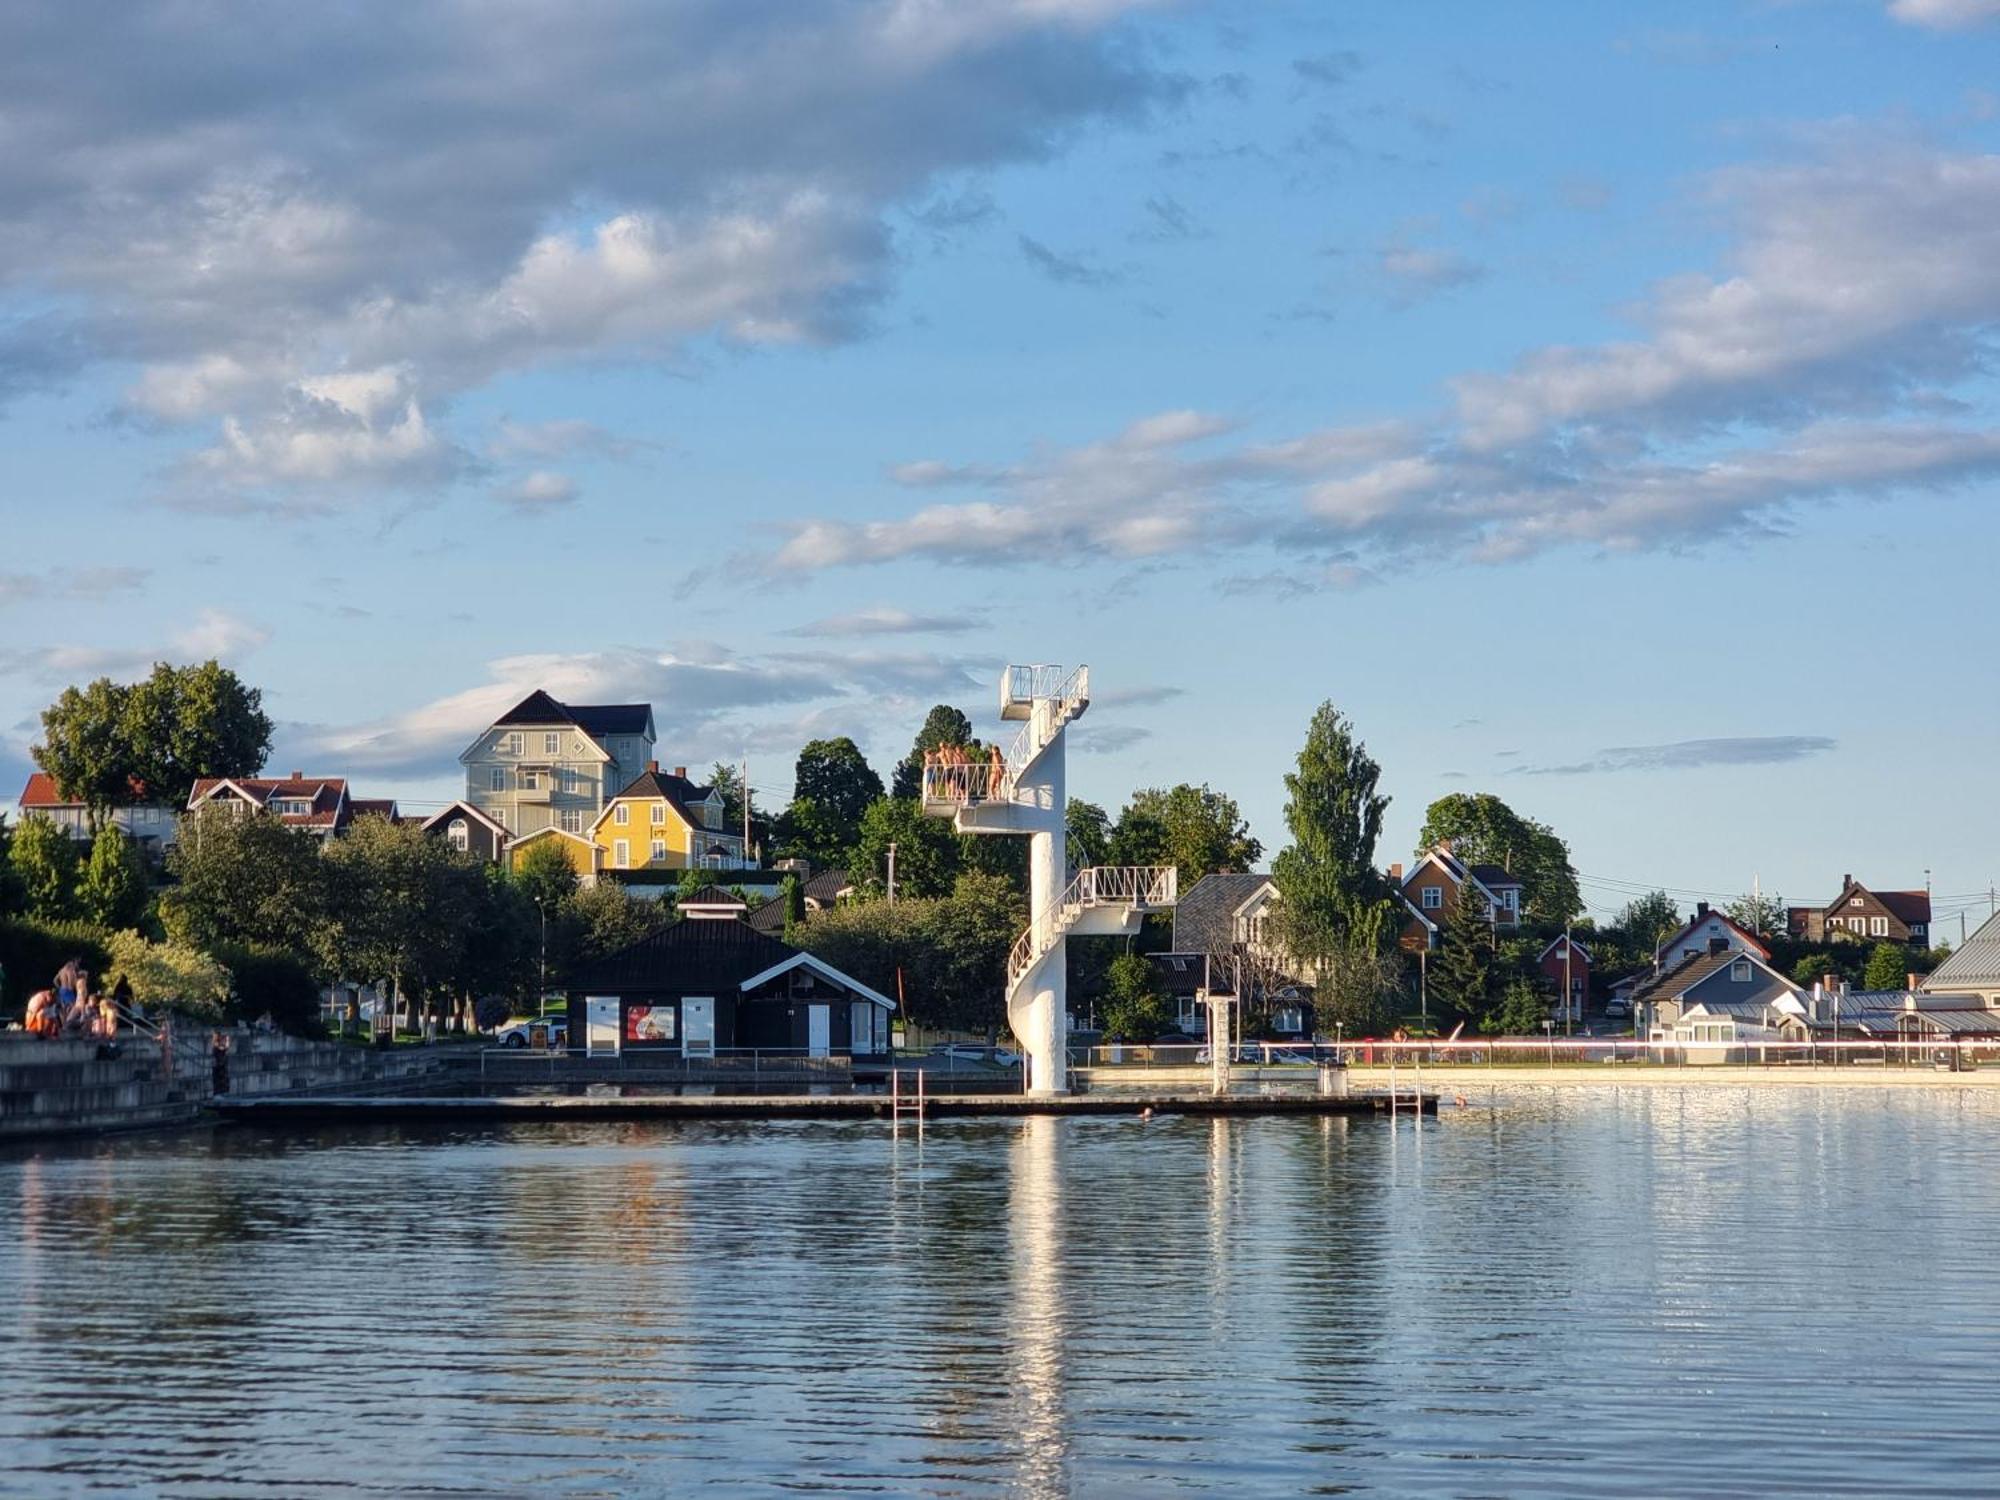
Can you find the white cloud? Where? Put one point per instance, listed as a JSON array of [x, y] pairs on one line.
[[219, 634], [1416, 273], [71, 583], [538, 491], [470, 192], [1945, 15], [1825, 363], [887, 620]]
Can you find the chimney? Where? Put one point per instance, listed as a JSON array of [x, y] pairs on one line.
[[1700, 910], [681, 771], [1911, 981], [1396, 872], [1830, 984], [652, 768], [1846, 881], [298, 776]]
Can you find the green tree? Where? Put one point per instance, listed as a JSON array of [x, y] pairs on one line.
[[44, 860], [545, 878], [881, 945], [928, 855], [835, 776], [1649, 921], [1087, 829], [1461, 970], [943, 725], [169, 975], [1763, 915], [1135, 1010], [1521, 1010], [1334, 905], [109, 745], [967, 936], [112, 888], [1197, 830], [604, 918], [244, 879], [12, 897], [1485, 830], [398, 904], [1889, 967]]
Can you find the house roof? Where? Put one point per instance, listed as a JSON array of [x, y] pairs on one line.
[[768, 918], [828, 886], [466, 810], [1911, 908], [1692, 970], [328, 803], [1489, 878], [1976, 964], [691, 957], [1495, 877], [1749, 938], [1205, 915], [1557, 941], [376, 807], [594, 719], [803, 960], [655, 785], [40, 792], [713, 895]]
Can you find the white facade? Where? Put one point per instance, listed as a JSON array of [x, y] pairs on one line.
[[528, 777]]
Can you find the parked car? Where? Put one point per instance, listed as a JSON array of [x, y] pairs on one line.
[[516, 1035], [1618, 1008]]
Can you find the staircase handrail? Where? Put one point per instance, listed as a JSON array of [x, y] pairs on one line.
[[1140, 887], [975, 782]]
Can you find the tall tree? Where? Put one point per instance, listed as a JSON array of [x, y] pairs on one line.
[[1333, 903], [1485, 830], [1649, 921], [1196, 829], [1461, 972], [107, 745], [248, 880], [112, 887], [545, 878], [1763, 915], [927, 851], [831, 789], [943, 725], [43, 860], [397, 904], [1889, 967]]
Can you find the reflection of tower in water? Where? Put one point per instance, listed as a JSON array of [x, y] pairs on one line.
[[1036, 1343]]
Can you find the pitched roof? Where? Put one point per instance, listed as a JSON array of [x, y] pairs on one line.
[[1976, 964], [463, 809], [685, 956], [1205, 915], [676, 791], [768, 918], [328, 805], [827, 887], [1750, 939], [1495, 877], [375, 807], [1557, 941], [1692, 970], [594, 719], [713, 895], [1911, 908], [41, 792]]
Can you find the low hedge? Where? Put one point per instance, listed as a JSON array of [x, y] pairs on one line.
[[32, 950]]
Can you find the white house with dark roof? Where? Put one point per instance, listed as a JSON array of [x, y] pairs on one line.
[[548, 764], [319, 805], [1702, 931], [153, 826]]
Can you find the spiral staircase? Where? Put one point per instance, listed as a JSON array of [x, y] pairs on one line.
[[1023, 793]]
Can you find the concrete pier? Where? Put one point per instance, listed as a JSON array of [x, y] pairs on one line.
[[325, 1108]]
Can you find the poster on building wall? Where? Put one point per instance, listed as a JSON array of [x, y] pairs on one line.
[[649, 1023]]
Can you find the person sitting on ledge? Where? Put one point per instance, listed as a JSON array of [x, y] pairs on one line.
[[42, 1019]]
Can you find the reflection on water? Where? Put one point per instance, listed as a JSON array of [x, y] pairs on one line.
[[1634, 1292]]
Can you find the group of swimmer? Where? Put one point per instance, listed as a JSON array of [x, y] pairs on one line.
[[984, 776], [68, 1008]]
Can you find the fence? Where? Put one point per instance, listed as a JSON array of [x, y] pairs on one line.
[[1632, 1052]]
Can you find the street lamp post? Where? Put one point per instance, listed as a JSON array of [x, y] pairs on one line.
[[542, 983]]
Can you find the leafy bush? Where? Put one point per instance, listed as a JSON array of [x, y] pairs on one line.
[[273, 982], [31, 951], [167, 976]]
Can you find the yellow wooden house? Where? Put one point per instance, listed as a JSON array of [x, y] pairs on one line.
[[663, 821], [584, 856]]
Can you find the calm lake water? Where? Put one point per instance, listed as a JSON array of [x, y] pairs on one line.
[[1589, 1293]]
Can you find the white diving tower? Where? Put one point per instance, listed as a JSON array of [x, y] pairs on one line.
[[1025, 796]]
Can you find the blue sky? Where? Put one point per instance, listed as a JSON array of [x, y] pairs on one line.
[[1598, 412]]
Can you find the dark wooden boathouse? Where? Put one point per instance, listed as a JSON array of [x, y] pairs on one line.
[[708, 986]]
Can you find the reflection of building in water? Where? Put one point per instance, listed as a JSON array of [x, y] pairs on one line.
[[1036, 1346]]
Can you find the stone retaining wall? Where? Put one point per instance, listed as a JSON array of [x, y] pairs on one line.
[[62, 1087]]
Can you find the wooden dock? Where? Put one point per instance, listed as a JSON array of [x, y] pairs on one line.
[[352, 1110]]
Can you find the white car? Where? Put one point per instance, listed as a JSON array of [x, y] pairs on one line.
[[516, 1035]]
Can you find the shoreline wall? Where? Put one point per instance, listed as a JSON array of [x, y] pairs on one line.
[[66, 1087]]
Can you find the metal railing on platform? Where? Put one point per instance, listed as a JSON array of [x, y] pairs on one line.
[[748, 1062]]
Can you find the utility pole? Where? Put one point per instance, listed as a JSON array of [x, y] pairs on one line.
[[746, 807], [1569, 992], [892, 872]]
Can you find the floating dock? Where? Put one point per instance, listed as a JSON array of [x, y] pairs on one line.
[[350, 1109]]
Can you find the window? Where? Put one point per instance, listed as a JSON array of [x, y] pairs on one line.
[[1879, 926], [659, 850], [1739, 972], [659, 812], [1855, 902], [531, 779], [1433, 897], [621, 854], [551, 743], [1919, 929], [514, 744], [498, 780], [458, 835], [622, 814], [500, 816], [570, 819]]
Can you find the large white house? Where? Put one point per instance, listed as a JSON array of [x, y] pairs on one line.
[[545, 764], [152, 825]]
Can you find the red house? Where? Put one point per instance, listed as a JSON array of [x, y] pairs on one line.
[[1566, 961]]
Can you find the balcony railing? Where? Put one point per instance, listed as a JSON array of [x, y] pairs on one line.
[[1137, 888]]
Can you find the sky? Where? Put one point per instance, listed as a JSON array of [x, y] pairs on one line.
[[1595, 403]]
